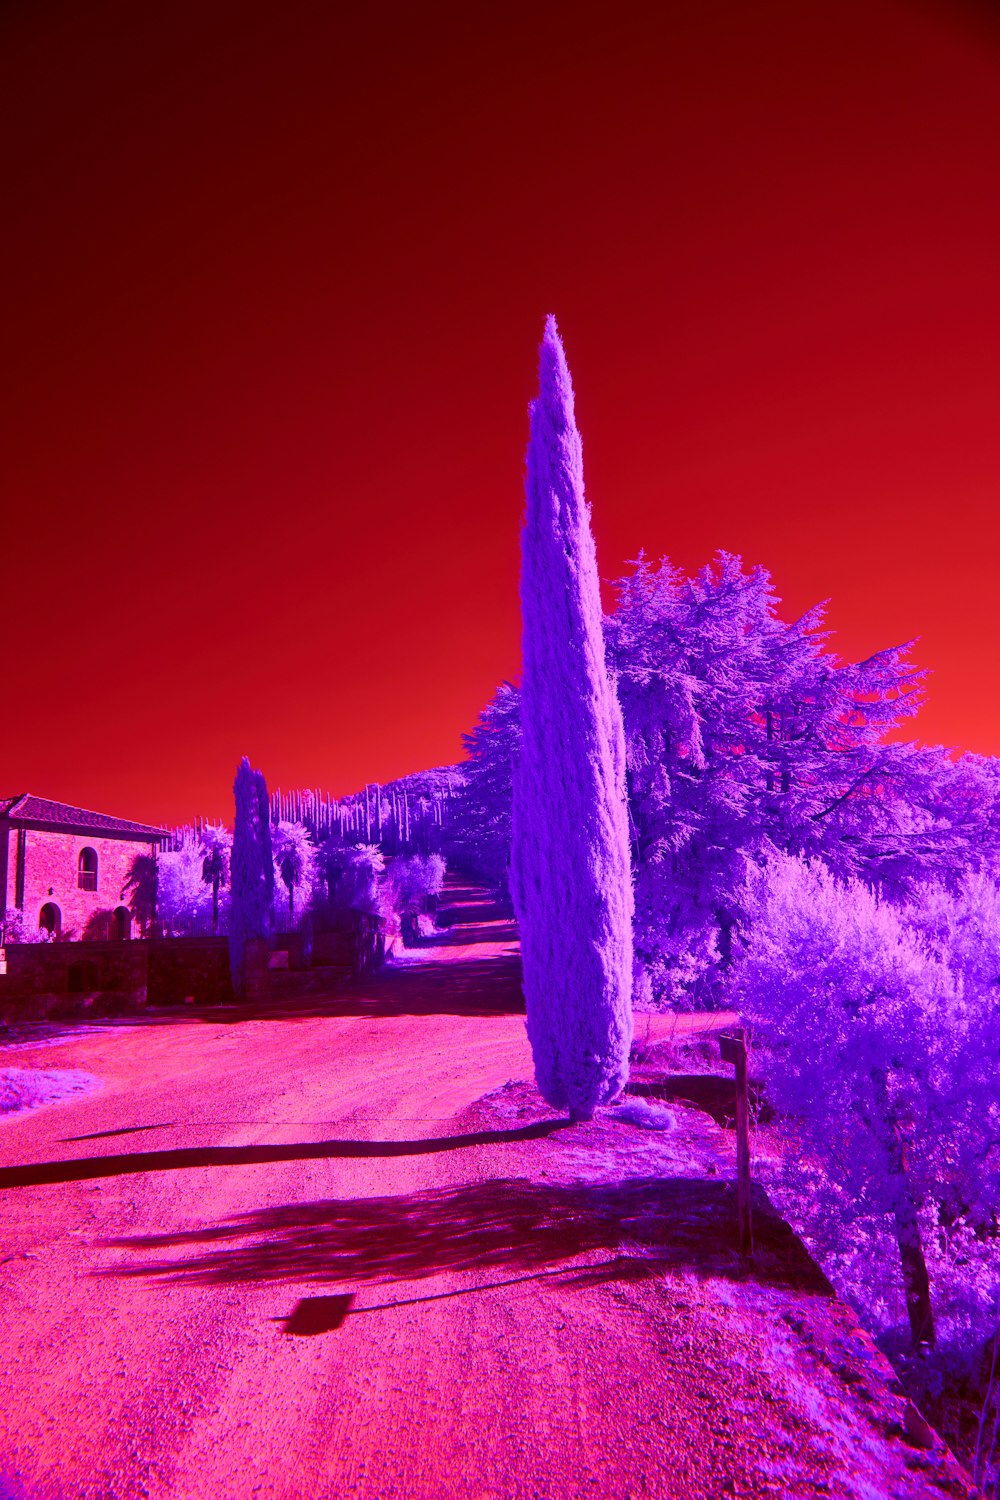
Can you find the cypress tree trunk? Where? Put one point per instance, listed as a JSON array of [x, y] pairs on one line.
[[570, 858]]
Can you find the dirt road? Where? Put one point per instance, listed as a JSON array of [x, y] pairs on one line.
[[343, 1250]]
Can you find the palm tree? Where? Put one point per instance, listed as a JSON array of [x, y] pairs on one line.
[[139, 890], [293, 855], [216, 844]]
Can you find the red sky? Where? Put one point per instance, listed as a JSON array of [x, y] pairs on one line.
[[274, 278]]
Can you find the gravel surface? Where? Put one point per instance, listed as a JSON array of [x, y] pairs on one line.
[[343, 1250]]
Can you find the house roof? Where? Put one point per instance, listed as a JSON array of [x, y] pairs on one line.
[[26, 808]]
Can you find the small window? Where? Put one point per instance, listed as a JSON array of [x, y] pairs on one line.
[[121, 924], [87, 870]]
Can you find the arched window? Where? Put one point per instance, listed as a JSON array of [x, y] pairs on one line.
[[121, 924], [50, 918], [87, 870]]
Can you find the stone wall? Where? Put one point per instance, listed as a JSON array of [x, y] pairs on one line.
[[189, 969], [69, 978], [46, 978]]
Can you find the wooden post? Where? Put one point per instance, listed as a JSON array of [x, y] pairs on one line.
[[733, 1046]]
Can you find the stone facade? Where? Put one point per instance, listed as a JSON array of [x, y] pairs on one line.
[[66, 868]]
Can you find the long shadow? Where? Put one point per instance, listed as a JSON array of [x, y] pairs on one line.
[[477, 988], [81, 1169], [512, 1225], [315, 1315], [97, 1135]]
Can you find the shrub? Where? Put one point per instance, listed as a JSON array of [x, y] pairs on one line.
[[18, 928], [352, 874], [877, 1028], [411, 882]]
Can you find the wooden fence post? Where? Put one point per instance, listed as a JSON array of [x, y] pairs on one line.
[[733, 1046]]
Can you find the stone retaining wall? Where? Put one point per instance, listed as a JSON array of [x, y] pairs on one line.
[[63, 979]]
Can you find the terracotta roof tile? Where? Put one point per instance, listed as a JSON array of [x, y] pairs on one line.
[[29, 809]]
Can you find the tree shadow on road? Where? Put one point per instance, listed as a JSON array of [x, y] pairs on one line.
[[509, 1225], [474, 987], [478, 987], [80, 1169]]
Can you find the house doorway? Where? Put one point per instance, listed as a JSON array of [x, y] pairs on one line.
[[50, 919], [121, 924]]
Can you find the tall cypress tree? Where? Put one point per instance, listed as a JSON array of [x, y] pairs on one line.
[[571, 877], [251, 877]]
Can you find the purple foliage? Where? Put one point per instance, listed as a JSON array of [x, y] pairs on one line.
[[479, 834], [410, 883], [353, 875], [746, 737], [18, 928], [216, 845], [570, 869], [252, 868], [877, 1029], [141, 888], [264, 816], [295, 862], [183, 897]]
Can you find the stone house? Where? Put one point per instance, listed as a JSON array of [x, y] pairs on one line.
[[66, 868]]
